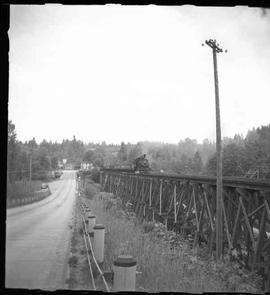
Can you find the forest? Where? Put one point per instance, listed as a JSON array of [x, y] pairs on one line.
[[247, 156]]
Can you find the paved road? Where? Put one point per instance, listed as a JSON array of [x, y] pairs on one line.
[[38, 236]]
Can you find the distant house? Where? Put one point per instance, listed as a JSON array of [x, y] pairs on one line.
[[69, 166], [60, 165], [86, 166]]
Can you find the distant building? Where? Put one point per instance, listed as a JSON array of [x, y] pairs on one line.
[[86, 166], [60, 165], [69, 166]]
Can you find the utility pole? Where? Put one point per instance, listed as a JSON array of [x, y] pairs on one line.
[[30, 162], [219, 214], [30, 166]]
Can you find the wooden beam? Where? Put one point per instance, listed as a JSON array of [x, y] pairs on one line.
[[174, 202], [226, 224], [209, 212], [247, 223], [150, 194], [267, 208], [257, 251], [160, 197], [253, 212], [236, 224], [195, 208], [181, 200]]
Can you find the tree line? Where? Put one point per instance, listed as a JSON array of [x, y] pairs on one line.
[[247, 156]]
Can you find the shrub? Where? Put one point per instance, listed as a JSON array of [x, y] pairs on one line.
[[90, 190], [95, 175], [73, 260], [148, 226]]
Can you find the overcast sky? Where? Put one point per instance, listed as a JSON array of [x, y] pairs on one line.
[[129, 73]]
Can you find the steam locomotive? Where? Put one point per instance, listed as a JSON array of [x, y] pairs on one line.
[[141, 164]]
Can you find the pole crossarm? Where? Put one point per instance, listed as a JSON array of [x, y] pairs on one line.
[[214, 45]]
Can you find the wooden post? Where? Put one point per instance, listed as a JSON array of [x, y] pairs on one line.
[[100, 179], [174, 200], [136, 187], [144, 212], [110, 187], [219, 216], [160, 197], [150, 194]]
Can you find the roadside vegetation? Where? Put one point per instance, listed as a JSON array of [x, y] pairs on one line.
[[166, 261], [79, 277]]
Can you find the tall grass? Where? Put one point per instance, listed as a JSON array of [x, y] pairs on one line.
[[166, 261]]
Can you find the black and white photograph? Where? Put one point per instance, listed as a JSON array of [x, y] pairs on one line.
[[138, 148]]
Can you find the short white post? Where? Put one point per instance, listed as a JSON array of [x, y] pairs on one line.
[[82, 208], [144, 212], [91, 223], [87, 212], [124, 269], [99, 233]]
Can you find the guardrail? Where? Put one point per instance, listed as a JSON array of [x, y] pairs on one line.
[[124, 267], [37, 196]]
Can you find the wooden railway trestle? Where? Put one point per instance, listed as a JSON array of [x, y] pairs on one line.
[[187, 204]]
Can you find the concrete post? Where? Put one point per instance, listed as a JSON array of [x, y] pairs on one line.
[[124, 268], [99, 233], [87, 212], [91, 223]]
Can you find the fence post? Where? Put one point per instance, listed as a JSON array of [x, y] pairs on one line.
[[124, 269], [99, 233]]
